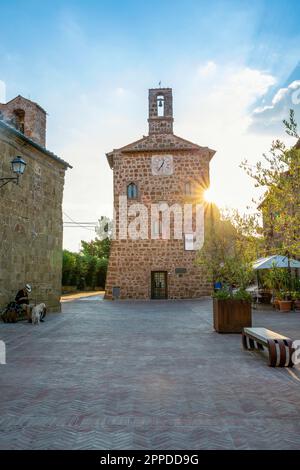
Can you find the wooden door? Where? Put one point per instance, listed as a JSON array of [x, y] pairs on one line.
[[159, 287]]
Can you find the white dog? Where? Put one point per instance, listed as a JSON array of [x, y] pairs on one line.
[[36, 313]]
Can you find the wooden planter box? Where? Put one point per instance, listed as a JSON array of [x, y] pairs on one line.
[[285, 305], [231, 315]]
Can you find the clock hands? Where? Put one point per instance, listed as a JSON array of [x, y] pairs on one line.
[[161, 165]]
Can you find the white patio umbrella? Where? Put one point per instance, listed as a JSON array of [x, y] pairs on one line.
[[276, 260]]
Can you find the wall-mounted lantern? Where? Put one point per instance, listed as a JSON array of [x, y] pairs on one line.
[[17, 167]]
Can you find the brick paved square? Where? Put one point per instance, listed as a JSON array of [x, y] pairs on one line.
[[144, 375]]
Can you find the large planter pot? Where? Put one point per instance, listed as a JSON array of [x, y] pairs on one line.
[[285, 305], [231, 315], [297, 305]]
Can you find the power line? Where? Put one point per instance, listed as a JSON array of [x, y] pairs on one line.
[[81, 223], [77, 224]]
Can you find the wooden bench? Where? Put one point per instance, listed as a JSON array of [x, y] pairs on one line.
[[279, 347]]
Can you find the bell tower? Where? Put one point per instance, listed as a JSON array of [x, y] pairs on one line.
[[161, 173], [160, 111], [27, 117]]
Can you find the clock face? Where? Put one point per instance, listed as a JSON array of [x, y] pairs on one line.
[[162, 165]]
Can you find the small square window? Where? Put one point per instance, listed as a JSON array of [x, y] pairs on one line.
[[189, 241]]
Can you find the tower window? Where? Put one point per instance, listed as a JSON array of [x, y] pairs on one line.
[[19, 117], [160, 100], [132, 191], [188, 188]]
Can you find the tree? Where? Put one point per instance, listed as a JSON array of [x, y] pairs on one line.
[[98, 248], [102, 265], [88, 268], [279, 175], [218, 243], [231, 244], [69, 265]]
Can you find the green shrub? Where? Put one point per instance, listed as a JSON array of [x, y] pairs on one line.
[[242, 294], [222, 294], [83, 270]]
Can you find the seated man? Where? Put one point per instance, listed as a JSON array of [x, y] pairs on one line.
[[23, 300]]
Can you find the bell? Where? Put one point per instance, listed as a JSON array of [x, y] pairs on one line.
[[160, 103]]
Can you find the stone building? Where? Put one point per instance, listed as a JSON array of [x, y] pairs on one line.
[[165, 171], [31, 211]]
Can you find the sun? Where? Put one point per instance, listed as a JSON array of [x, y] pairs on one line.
[[209, 195]]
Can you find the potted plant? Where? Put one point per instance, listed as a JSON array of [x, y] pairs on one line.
[[297, 303], [296, 300], [277, 296], [278, 280], [232, 311], [284, 301]]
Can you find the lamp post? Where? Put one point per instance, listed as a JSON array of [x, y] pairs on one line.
[[17, 167]]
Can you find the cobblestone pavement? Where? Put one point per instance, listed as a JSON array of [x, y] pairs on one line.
[[144, 375]]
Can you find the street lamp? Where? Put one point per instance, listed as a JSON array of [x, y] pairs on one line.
[[17, 167]]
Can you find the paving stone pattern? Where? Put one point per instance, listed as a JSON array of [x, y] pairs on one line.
[[144, 375]]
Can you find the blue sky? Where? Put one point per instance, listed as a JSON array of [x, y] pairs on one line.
[[233, 67]]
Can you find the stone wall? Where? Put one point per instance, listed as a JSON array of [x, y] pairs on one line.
[[27, 117], [31, 224], [160, 124], [131, 261]]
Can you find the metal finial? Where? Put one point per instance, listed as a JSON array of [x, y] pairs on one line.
[[159, 84]]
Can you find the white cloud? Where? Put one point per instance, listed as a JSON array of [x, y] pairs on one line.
[[2, 92], [250, 83], [120, 91], [269, 117], [280, 95], [208, 69], [217, 114], [224, 102]]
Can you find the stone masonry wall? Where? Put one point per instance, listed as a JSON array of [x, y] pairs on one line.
[[131, 261], [160, 124], [34, 118], [31, 224]]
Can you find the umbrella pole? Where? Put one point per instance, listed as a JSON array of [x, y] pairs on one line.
[[257, 278], [289, 272]]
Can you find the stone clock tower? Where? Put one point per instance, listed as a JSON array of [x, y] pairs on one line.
[[153, 255]]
